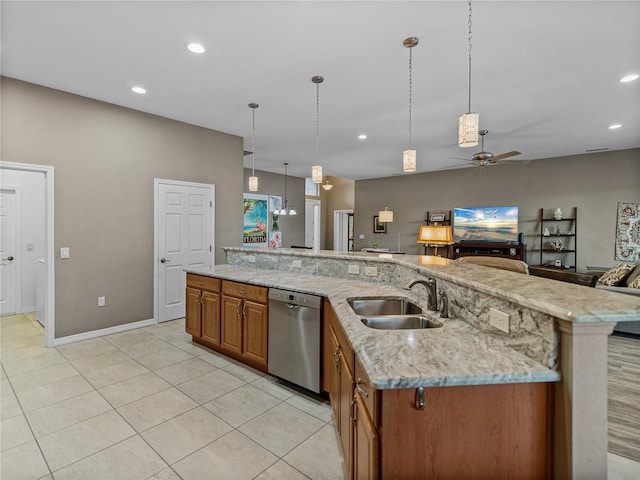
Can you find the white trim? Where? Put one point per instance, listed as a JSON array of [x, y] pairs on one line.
[[103, 331], [50, 290], [338, 231], [156, 211]]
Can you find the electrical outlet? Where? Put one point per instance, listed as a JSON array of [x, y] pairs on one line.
[[499, 320], [29, 247], [296, 264], [64, 252], [361, 236], [371, 271], [102, 301], [251, 258], [353, 269]]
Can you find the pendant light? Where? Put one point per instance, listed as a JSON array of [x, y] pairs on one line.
[[326, 185], [253, 180], [409, 155], [285, 210], [468, 123], [316, 170]]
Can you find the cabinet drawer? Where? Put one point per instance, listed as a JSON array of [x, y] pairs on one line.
[[202, 282], [368, 394], [245, 291]]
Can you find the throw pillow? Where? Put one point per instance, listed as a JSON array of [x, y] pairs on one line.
[[617, 274], [635, 283], [634, 274]]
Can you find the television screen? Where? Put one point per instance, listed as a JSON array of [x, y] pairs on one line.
[[485, 224]]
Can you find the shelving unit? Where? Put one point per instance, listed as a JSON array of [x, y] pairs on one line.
[[565, 229]]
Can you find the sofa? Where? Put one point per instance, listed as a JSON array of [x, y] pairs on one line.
[[621, 287]]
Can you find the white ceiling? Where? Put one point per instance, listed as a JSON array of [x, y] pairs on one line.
[[545, 74]]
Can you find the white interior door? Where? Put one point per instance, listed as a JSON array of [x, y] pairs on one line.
[[9, 286], [341, 230], [309, 222], [184, 239]]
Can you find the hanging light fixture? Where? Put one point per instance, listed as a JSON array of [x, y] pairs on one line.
[[285, 210], [316, 170], [468, 123], [253, 180], [409, 155], [326, 185]]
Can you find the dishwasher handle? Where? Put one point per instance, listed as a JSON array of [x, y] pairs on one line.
[[292, 306]]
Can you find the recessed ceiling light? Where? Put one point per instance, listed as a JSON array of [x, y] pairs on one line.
[[614, 126], [630, 78], [362, 136], [139, 90], [195, 48]]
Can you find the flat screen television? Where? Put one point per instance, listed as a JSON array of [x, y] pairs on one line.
[[485, 224]]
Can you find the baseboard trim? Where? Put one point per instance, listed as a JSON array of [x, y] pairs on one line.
[[102, 332]]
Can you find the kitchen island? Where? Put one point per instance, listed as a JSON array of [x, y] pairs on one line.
[[558, 333]]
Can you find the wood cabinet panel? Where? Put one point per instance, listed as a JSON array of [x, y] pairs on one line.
[[245, 291], [231, 324], [193, 315], [256, 331], [365, 443], [203, 283], [345, 426], [369, 394], [211, 317]]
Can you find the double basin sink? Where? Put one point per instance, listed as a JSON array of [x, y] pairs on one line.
[[390, 313]]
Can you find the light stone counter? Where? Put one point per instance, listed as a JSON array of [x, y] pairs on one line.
[[456, 354]]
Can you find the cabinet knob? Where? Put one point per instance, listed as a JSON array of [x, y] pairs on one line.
[[420, 398]]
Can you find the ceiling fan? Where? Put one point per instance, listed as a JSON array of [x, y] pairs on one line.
[[482, 158]]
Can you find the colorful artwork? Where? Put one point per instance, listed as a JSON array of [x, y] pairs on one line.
[[628, 232], [256, 216]]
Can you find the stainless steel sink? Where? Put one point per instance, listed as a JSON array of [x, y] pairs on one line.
[[375, 306], [400, 322]]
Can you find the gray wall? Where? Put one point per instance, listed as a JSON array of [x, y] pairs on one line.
[[594, 183], [292, 227], [106, 158]]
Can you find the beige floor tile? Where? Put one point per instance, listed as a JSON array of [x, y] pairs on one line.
[[45, 359], [23, 463], [5, 386], [621, 468], [128, 338], [85, 348], [186, 433], [179, 338], [25, 352], [318, 457], [43, 376], [67, 446], [164, 330], [282, 428], [14, 432], [131, 459], [166, 474], [63, 414], [141, 349], [215, 359], [242, 405], [53, 393], [115, 373], [281, 471], [99, 361], [313, 406], [154, 409], [186, 370], [194, 349], [232, 457], [274, 387], [8, 344], [210, 386], [133, 389], [164, 357], [243, 372], [9, 406]]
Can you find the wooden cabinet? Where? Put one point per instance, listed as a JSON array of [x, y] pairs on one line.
[[229, 317], [366, 457], [202, 311]]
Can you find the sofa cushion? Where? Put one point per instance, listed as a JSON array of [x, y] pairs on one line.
[[617, 274], [635, 283], [634, 275]]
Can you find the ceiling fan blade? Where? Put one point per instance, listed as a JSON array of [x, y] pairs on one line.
[[504, 155], [460, 158]]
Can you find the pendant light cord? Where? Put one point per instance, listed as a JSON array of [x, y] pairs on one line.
[[317, 123], [410, 90], [469, 51], [285, 186], [253, 143]]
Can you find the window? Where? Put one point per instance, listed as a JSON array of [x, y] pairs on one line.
[[311, 189]]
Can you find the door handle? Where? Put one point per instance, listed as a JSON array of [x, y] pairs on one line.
[[164, 260], [10, 258]]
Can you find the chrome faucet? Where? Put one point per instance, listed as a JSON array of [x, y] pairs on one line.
[[443, 305], [430, 285]]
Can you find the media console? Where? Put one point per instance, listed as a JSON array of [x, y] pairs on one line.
[[504, 250]]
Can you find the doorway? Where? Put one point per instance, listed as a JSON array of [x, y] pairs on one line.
[[39, 181], [183, 238], [343, 230], [311, 223]]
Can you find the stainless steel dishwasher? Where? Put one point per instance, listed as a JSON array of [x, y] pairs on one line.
[[294, 337]]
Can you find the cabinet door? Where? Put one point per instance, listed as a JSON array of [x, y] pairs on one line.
[[331, 366], [231, 324], [345, 427], [255, 326], [193, 315], [211, 317], [365, 443]]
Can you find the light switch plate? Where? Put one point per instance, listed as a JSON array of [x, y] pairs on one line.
[[29, 247], [361, 236], [353, 269], [102, 301], [64, 252], [499, 320]]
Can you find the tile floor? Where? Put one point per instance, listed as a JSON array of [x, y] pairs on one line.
[[150, 404]]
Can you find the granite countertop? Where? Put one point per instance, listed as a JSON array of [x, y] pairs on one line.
[[456, 354]]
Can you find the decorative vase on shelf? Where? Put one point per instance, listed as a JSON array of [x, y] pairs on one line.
[[546, 232], [557, 214]]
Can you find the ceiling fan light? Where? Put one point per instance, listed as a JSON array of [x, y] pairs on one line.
[[409, 161], [316, 174], [253, 184], [468, 129]]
